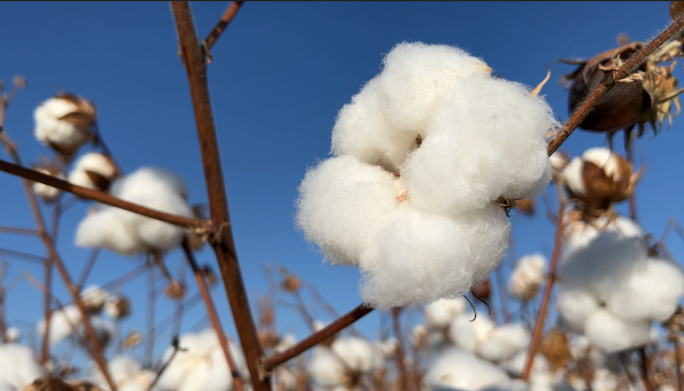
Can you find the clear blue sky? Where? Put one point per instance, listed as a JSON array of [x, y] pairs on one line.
[[280, 74]]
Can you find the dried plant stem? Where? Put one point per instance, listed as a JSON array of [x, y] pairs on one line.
[[87, 268], [314, 339], [644, 368], [632, 196], [23, 256], [3, 324], [678, 359], [151, 307], [550, 280], [35, 176], [404, 382], [47, 309], [188, 304], [609, 81], [211, 310], [176, 347], [221, 26], [18, 231], [223, 243]]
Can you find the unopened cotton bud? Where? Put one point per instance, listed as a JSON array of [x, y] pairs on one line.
[[291, 283], [65, 122], [175, 290], [93, 171], [527, 277], [209, 274], [45, 192]]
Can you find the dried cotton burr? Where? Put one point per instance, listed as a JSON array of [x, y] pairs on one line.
[[527, 277], [422, 157], [65, 122], [94, 171]]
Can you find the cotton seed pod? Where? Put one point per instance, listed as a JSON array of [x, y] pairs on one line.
[[94, 171], [175, 290], [623, 106], [133, 339], [268, 339], [598, 178], [48, 193], [118, 307], [482, 290], [291, 283], [525, 206], [65, 122]]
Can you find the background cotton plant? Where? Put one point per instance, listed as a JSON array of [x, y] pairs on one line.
[[422, 156]]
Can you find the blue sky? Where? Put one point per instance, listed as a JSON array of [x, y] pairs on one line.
[[280, 74]]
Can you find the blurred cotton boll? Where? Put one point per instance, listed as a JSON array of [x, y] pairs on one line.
[[93, 171], [62, 323], [94, 298], [126, 372], [344, 361], [527, 277], [440, 313], [18, 367], [580, 231], [457, 369], [503, 342], [129, 233], [45, 192], [612, 334], [65, 122]]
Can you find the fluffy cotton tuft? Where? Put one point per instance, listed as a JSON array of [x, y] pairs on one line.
[[93, 171], [45, 192], [94, 298], [460, 370], [440, 313], [527, 277], [422, 155], [12, 335], [579, 233], [129, 233], [468, 333], [62, 323], [18, 368], [504, 342], [612, 334], [331, 366], [126, 372], [64, 121]]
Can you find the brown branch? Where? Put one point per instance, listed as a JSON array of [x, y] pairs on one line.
[[550, 280], [211, 310], [223, 243], [151, 301], [404, 383], [609, 81], [644, 368], [23, 256], [176, 347], [35, 176], [47, 309], [314, 339], [221, 26], [87, 268], [18, 231]]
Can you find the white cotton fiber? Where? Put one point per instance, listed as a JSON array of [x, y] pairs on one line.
[[126, 372], [343, 203], [581, 233], [467, 333], [7, 386], [508, 385], [420, 257], [574, 307], [105, 330], [487, 139], [51, 128], [651, 292], [12, 335], [61, 322], [572, 176], [613, 334], [203, 366], [18, 366], [415, 77], [527, 276], [515, 365], [440, 313], [330, 366], [129, 233], [603, 158], [94, 297], [461, 370], [45, 192], [95, 163], [503, 342]]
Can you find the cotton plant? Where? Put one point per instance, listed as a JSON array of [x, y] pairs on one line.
[[345, 363], [94, 171], [201, 365], [65, 122], [613, 289], [424, 157], [527, 277], [18, 367]]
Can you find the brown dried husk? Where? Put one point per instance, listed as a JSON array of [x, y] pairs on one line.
[[54, 383], [175, 290], [603, 190], [556, 350], [268, 339], [525, 205], [123, 306], [291, 283], [133, 339]]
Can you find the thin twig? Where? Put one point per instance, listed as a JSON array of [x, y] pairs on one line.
[[221, 26], [550, 280], [18, 231], [151, 301], [644, 368], [23, 256], [223, 242], [87, 268], [678, 359], [404, 383], [175, 343]]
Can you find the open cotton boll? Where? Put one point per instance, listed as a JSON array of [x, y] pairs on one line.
[[419, 257], [580, 233], [286, 342], [105, 330], [574, 306], [515, 365], [64, 121], [487, 139], [650, 293], [94, 298], [440, 313], [61, 322], [12, 335], [362, 130], [466, 334], [503, 342], [93, 171], [612, 334], [457, 369], [126, 372], [45, 192], [415, 77], [129, 233], [527, 277], [202, 367], [346, 357], [342, 205], [18, 367]]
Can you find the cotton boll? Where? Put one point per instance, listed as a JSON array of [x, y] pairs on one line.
[[362, 130], [64, 122], [467, 333], [335, 366], [651, 292], [12, 335], [613, 334], [604, 380], [94, 298], [18, 367], [325, 368], [572, 176], [574, 307], [580, 233], [105, 330], [461, 370], [515, 365], [418, 335], [45, 192], [110, 228], [126, 372], [61, 323], [117, 307], [579, 347], [93, 171], [487, 139], [416, 76], [440, 313], [527, 277], [504, 342], [420, 257], [286, 342], [559, 160], [342, 205]]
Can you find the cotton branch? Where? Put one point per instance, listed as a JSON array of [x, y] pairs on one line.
[[227, 17], [609, 81], [224, 244]]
